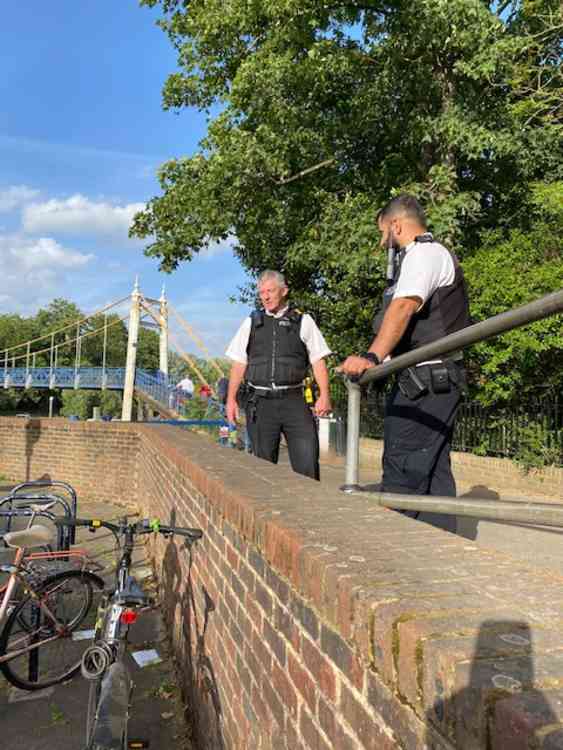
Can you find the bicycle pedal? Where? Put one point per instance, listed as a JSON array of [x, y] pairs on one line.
[[137, 744]]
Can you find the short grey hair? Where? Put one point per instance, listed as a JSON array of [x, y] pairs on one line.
[[268, 275]]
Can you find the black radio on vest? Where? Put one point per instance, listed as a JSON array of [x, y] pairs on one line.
[[276, 353]]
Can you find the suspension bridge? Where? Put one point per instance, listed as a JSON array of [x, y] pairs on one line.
[[24, 365]]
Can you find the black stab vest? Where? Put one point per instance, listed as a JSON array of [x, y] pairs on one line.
[[444, 312], [276, 354]]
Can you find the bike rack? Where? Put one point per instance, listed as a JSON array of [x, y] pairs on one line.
[[62, 538], [44, 483], [19, 507]]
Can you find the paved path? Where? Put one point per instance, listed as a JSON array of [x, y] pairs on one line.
[[536, 545], [56, 717]]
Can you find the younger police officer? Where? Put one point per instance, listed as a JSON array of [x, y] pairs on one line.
[[271, 352], [426, 300]]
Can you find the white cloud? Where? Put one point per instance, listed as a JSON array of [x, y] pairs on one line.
[[16, 196], [79, 215], [34, 270], [213, 249]]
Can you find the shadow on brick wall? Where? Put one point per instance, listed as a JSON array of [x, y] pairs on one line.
[[489, 701], [189, 632], [32, 433]]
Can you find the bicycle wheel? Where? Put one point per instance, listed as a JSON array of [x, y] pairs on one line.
[[42, 636], [109, 728], [93, 698]]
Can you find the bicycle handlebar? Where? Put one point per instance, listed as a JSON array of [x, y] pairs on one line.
[[146, 526]]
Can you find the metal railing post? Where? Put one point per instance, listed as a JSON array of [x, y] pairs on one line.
[[353, 438]]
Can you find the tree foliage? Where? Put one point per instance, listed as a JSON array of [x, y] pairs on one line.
[[322, 110]]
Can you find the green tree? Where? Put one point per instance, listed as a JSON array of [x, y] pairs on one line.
[[327, 109], [81, 403]]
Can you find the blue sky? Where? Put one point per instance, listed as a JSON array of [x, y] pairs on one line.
[[82, 133]]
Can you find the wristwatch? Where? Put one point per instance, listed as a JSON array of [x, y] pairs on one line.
[[372, 356]]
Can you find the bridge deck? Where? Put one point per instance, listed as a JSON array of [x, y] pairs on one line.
[[152, 386]]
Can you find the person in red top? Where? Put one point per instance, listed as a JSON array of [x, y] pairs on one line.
[[205, 391]]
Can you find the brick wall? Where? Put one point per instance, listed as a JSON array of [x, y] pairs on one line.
[[99, 459], [336, 623]]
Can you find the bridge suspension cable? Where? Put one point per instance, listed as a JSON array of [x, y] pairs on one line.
[[80, 322], [193, 335], [53, 349], [186, 357]]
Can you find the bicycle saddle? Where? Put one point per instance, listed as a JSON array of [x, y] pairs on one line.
[[34, 536]]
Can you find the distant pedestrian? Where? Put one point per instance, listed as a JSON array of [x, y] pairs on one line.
[[205, 391], [185, 387]]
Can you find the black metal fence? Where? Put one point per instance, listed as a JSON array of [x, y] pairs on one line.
[[530, 432]]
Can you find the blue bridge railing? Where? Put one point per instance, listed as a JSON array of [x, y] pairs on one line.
[[154, 384]]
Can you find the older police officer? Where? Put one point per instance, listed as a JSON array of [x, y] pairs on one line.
[[271, 352], [426, 300]]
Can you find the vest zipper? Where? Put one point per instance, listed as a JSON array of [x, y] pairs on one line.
[[274, 349]]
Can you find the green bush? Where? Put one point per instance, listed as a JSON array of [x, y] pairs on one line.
[[82, 403]]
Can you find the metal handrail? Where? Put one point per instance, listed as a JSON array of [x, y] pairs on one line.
[[525, 511], [550, 304]]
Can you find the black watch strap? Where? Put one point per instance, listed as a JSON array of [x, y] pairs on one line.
[[372, 356]]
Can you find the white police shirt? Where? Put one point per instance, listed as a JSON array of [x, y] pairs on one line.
[[309, 334], [427, 266]]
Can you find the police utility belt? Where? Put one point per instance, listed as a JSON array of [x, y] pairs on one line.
[[276, 391], [435, 377]]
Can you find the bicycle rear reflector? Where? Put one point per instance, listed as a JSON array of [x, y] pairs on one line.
[[134, 744], [128, 617]]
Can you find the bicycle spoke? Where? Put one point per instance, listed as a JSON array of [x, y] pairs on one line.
[[41, 643]]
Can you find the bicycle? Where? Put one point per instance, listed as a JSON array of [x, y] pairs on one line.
[[103, 663], [41, 644]]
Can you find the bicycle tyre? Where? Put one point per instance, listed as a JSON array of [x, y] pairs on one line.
[[68, 650], [109, 728], [93, 698]]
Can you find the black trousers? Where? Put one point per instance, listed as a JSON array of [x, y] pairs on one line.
[[288, 415], [416, 450]]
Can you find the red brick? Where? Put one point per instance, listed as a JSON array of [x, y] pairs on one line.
[[261, 653], [275, 642], [319, 667], [311, 734], [364, 724], [516, 720], [285, 690], [302, 681]]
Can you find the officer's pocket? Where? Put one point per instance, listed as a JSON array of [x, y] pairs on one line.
[[408, 469]]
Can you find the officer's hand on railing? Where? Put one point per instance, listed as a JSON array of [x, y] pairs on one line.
[[354, 366], [232, 411], [322, 407]]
